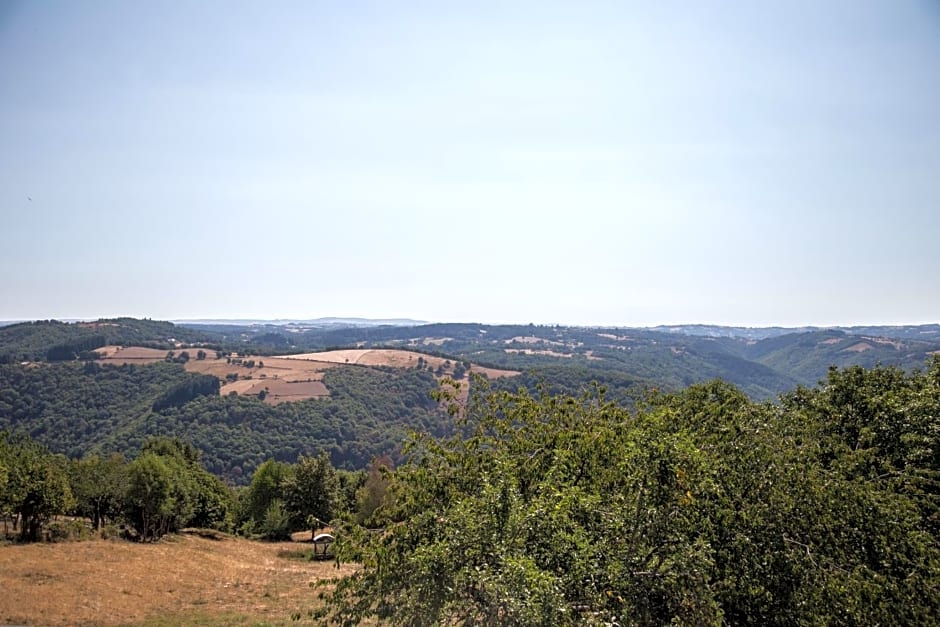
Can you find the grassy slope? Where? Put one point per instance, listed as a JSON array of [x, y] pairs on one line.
[[183, 580]]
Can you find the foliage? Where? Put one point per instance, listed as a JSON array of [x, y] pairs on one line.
[[276, 524], [77, 411], [700, 507], [99, 485], [312, 492], [37, 485], [54, 340], [194, 386], [373, 499], [73, 409], [267, 486], [167, 489]]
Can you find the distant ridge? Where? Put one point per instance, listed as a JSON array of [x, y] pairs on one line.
[[314, 322]]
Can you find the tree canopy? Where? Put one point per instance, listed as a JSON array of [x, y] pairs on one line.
[[699, 507]]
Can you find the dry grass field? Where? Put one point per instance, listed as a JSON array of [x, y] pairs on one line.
[[184, 579], [285, 379], [396, 358], [289, 377]]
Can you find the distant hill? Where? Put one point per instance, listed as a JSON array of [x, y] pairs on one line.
[[55, 385], [313, 322], [762, 361], [53, 340]]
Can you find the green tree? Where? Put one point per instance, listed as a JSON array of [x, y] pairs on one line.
[[312, 492], [266, 487], [373, 497], [700, 507], [168, 489], [99, 487], [153, 499], [37, 484], [276, 524]]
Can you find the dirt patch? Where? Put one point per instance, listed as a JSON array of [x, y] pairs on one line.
[[285, 379], [279, 391], [119, 355], [395, 358], [183, 580], [530, 339], [883, 340], [858, 347], [532, 351]]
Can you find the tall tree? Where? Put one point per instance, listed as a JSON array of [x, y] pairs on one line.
[[37, 484], [312, 492], [99, 486]]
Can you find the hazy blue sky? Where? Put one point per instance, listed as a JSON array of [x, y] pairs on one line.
[[610, 163]]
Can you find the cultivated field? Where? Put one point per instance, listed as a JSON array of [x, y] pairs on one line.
[[289, 377], [284, 379], [395, 358], [182, 580]]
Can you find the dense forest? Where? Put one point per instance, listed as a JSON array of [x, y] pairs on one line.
[[76, 408]]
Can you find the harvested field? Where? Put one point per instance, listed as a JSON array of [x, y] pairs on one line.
[[118, 355], [533, 351], [371, 357], [493, 373], [395, 358], [278, 390], [184, 579], [285, 379]]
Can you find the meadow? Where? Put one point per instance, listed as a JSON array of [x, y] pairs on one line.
[[183, 579]]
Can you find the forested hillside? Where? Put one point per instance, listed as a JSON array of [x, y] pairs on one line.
[[75, 409], [54, 387], [54, 341], [762, 362]]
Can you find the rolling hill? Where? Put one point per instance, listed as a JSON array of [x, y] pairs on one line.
[[245, 393]]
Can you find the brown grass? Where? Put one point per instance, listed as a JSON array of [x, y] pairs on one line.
[[534, 351], [118, 355], [182, 580], [396, 358], [290, 377], [286, 379]]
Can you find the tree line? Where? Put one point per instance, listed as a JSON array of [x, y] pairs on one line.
[[166, 488]]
